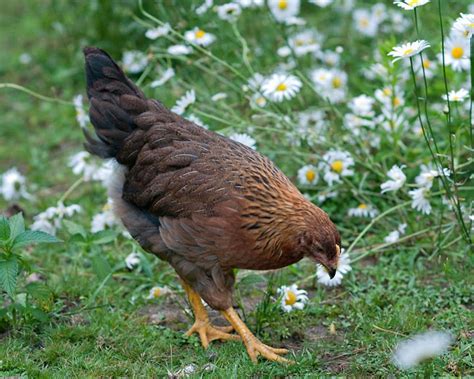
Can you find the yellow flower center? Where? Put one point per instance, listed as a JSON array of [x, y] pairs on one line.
[[426, 63], [337, 166], [156, 292], [260, 101], [336, 82], [362, 206], [412, 3], [310, 175], [290, 298], [199, 33], [299, 42], [106, 207], [281, 87], [457, 52], [283, 4], [387, 91], [364, 22], [396, 101], [408, 51]]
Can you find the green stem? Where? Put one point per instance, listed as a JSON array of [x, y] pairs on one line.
[[36, 94], [71, 189]]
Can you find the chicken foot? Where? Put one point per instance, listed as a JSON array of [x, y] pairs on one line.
[[202, 325], [254, 346]]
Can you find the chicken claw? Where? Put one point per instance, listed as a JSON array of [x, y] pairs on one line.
[[254, 346], [207, 332]]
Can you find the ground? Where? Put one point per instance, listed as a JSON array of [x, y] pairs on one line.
[[107, 328]]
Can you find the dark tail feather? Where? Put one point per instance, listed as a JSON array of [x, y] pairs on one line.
[[114, 103]]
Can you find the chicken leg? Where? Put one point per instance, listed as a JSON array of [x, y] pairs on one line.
[[202, 325], [253, 345]]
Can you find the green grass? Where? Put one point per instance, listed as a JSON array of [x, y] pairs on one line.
[[111, 329]]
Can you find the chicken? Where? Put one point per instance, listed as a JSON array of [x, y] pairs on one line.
[[200, 201]]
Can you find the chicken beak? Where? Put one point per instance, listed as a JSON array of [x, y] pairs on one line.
[[332, 272]]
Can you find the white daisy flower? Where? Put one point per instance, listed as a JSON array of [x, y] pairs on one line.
[[179, 50], [25, 58], [13, 185], [292, 298], [428, 174], [199, 37], [104, 219], [167, 75], [379, 12], [254, 83], [457, 53], [134, 61], [193, 118], [363, 210], [343, 267], [284, 10], [323, 196], [412, 351], [229, 11], [50, 220], [328, 57], [409, 5], [281, 87], [157, 32], [457, 96], [308, 175], [156, 292], [184, 101], [419, 201], [251, 3], [464, 25], [244, 139], [81, 115], [219, 96], [365, 23], [394, 236], [391, 98], [258, 100], [204, 7], [305, 42], [330, 83], [428, 65], [132, 260], [83, 163], [362, 105], [321, 3], [335, 165], [397, 179], [408, 49]]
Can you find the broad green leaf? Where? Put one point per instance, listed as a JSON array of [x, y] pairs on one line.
[[33, 236], [104, 236], [4, 229], [73, 228], [17, 225], [38, 314], [8, 274], [39, 291], [101, 266]]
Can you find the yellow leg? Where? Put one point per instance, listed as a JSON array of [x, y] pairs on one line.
[[207, 332], [253, 345]]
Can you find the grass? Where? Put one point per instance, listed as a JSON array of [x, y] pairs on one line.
[[108, 328]]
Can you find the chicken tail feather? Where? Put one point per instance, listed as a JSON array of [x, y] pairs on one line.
[[114, 103]]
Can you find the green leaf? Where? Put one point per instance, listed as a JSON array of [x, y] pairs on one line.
[[17, 225], [73, 228], [101, 266], [4, 229], [104, 236], [33, 236], [8, 274], [39, 291]]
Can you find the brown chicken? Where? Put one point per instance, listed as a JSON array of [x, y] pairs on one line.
[[200, 201]]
